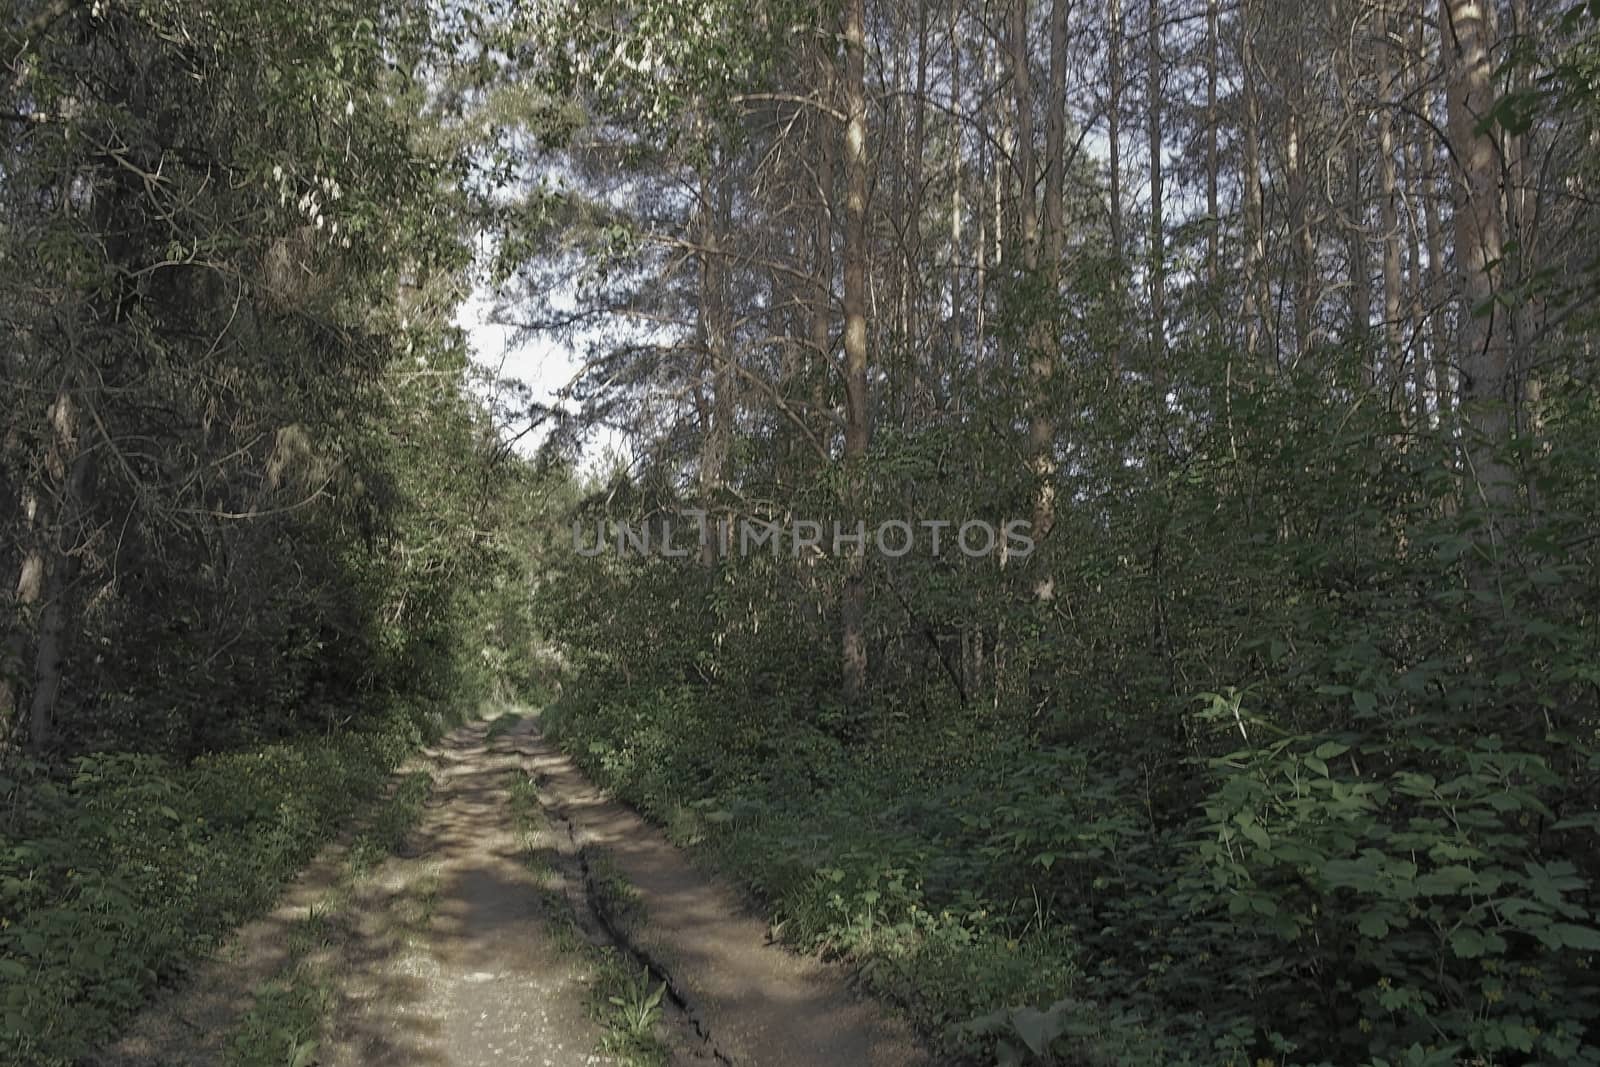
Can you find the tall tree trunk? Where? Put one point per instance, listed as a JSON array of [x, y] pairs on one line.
[[1413, 183], [819, 325], [1300, 226], [981, 209], [1438, 291], [1213, 211], [957, 330], [67, 466], [1055, 138], [1389, 215], [1044, 352], [1525, 238], [716, 315], [1487, 389], [1256, 302], [26, 596], [50, 649], [1360, 270], [1004, 160], [857, 430], [1359, 335], [1158, 250], [914, 340], [1022, 97], [1119, 244]]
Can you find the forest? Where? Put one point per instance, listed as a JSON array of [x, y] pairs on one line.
[[1078, 518]]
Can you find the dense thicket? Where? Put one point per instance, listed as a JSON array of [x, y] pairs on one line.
[[253, 530], [1275, 321], [243, 487]]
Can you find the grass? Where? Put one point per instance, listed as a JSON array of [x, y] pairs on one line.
[[626, 1000], [390, 823], [849, 872], [119, 871], [284, 1025], [616, 896], [506, 721], [532, 829]]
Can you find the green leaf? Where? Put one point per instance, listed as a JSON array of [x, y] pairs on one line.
[[1517, 1037], [1037, 1028], [1467, 943], [1263, 905], [1445, 881], [1252, 830], [1583, 938], [1373, 924], [1359, 874]]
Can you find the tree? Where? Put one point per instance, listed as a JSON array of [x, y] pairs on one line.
[[225, 227], [1487, 387], [857, 419]]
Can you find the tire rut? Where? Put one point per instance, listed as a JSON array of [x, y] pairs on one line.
[[602, 928], [736, 997]]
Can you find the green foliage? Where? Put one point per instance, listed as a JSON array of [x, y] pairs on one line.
[[848, 872], [1428, 907], [116, 873], [626, 1000], [392, 822], [1298, 767], [614, 894], [288, 1013], [240, 318], [281, 1027]]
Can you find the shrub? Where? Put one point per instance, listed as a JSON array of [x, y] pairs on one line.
[[116, 872]]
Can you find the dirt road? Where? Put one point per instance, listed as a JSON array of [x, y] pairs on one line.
[[467, 947]]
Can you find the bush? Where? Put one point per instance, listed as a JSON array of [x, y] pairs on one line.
[[118, 871], [1382, 899]]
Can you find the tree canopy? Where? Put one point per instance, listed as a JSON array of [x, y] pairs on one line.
[[1260, 339]]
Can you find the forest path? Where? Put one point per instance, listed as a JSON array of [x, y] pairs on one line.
[[753, 1002], [446, 953], [466, 947], [455, 960]]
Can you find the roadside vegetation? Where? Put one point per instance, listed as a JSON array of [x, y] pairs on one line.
[[123, 871], [253, 525], [1274, 325], [286, 1021]]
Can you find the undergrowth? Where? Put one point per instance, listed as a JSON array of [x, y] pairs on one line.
[[119, 871], [1382, 898], [284, 1025]]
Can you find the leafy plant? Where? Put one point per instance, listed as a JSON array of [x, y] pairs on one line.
[[628, 1003]]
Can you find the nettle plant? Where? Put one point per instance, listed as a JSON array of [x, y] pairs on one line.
[[1422, 914]]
